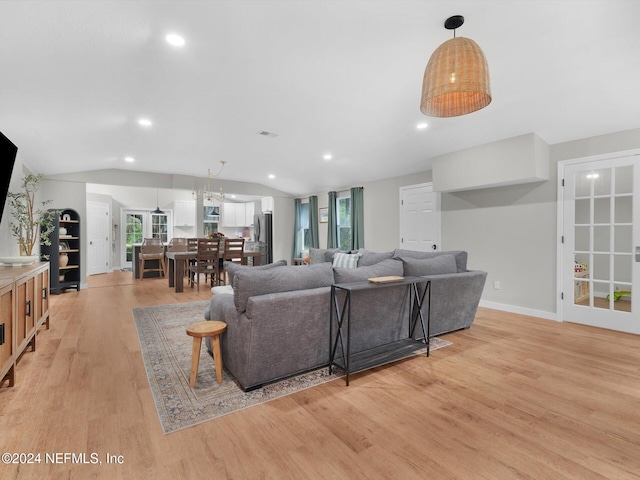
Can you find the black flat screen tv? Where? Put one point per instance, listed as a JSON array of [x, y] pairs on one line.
[[8, 153]]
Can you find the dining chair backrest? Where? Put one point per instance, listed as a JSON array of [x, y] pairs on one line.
[[192, 244], [178, 244], [208, 252], [234, 249], [151, 246]]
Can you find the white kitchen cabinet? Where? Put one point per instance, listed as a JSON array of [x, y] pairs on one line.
[[184, 213], [267, 204], [250, 209], [237, 214]]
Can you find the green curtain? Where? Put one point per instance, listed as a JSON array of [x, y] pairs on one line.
[[332, 231], [357, 218], [314, 241], [297, 207]]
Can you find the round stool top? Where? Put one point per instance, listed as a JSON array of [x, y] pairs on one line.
[[206, 328]]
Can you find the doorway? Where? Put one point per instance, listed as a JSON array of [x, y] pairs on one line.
[[98, 229], [600, 252], [419, 218]]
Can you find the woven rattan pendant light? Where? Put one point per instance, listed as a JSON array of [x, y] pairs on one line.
[[456, 80]]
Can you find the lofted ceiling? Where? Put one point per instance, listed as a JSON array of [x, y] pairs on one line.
[[340, 77]]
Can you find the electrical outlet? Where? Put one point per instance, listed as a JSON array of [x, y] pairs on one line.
[[496, 284]]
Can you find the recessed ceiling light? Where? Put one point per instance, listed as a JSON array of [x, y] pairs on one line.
[[422, 126], [129, 159], [144, 122], [328, 156], [272, 176], [233, 196], [175, 40]]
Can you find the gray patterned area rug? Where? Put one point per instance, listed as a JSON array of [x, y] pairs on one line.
[[166, 351]]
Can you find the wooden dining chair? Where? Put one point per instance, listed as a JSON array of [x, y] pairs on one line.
[[152, 249], [233, 252], [207, 262], [178, 244]]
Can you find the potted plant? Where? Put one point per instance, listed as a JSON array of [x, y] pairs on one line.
[[31, 222]]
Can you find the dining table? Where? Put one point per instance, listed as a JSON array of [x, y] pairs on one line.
[[176, 262]]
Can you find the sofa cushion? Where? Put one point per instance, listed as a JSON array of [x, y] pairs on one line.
[[380, 269], [459, 255], [252, 282], [316, 255], [232, 268], [371, 258], [346, 260], [330, 252], [429, 266]]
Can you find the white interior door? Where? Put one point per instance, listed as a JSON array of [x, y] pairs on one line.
[[419, 218], [601, 249], [98, 229]]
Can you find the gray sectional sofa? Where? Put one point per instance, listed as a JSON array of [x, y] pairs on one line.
[[278, 316]]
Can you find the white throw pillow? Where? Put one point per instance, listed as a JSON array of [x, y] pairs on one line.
[[346, 260]]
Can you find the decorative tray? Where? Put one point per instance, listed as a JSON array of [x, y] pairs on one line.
[[389, 279]]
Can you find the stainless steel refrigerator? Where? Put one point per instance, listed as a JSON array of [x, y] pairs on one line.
[[263, 236]]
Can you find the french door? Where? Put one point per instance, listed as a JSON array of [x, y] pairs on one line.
[[141, 224], [601, 248]]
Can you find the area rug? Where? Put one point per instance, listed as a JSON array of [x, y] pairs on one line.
[[166, 351]]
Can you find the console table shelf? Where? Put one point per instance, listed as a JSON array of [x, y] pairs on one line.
[[340, 315]]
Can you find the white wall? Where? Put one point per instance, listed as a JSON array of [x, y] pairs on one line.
[[381, 210], [511, 231]]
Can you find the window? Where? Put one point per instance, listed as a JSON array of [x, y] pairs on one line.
[[159, 227], [343, 211], [302, 236]]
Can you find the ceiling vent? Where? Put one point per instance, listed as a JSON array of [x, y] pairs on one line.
[[264, 133]]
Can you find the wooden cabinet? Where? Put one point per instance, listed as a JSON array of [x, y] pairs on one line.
[[64, 253], [24, 307], [7, 340]]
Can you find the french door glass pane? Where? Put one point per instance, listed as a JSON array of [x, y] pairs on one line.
[[603, 238], [159, 228], [134, 233]]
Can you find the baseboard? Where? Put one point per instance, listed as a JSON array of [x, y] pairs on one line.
[[520, 310]]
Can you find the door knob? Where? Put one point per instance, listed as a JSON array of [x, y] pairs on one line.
[[434, 247]]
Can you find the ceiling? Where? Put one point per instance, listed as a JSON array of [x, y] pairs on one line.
[[327, 77]]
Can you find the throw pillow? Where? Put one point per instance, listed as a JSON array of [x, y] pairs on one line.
[[439, 265], [360, 274], [232, 268], [371, 258], [459, 255], [316, 255], [329, 253], [346, 260], [253, 282]]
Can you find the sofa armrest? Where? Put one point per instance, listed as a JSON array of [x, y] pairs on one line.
[[454, 300]]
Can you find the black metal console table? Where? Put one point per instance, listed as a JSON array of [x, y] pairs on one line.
[[340, 315]]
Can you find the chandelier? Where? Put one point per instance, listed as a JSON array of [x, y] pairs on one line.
[[207, 193], [456, 80]]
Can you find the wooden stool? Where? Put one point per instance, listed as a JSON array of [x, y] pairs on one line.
[[198, 330]]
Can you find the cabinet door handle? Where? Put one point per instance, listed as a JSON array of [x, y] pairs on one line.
[[45, 293], [2, 334], [28, 308]]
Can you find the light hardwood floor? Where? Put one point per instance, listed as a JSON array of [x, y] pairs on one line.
[[514, 397]]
